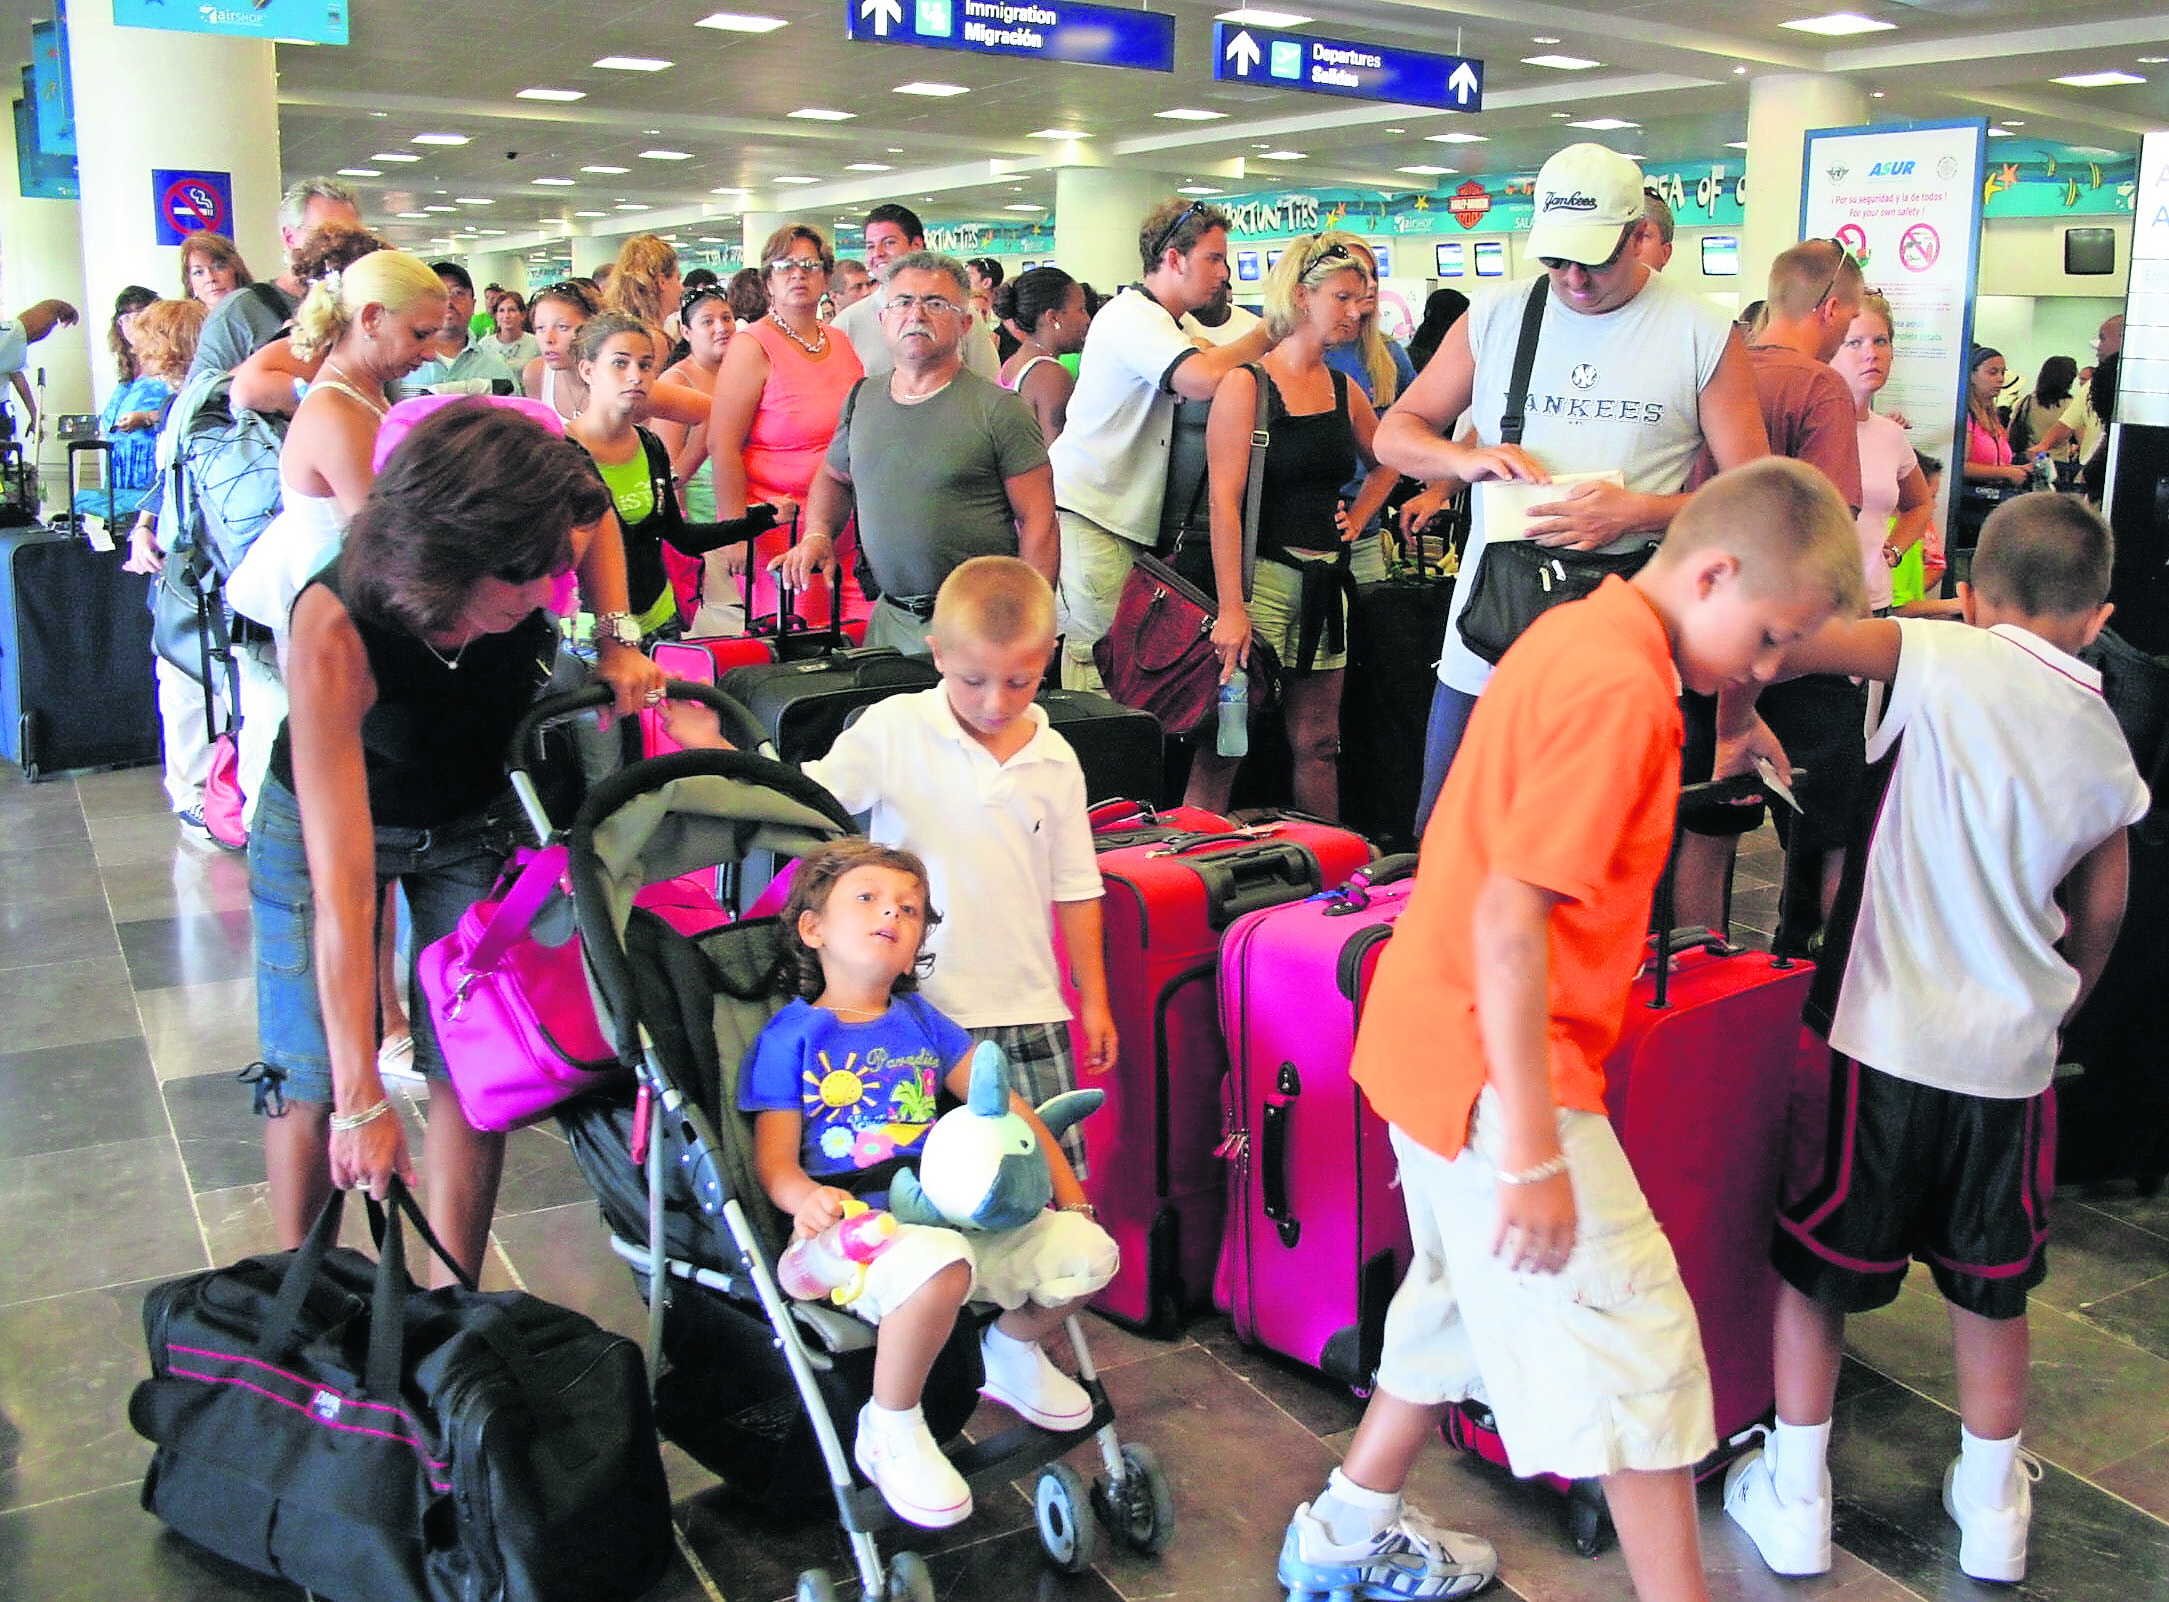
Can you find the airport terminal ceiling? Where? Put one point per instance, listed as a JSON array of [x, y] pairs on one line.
[[744, 112]]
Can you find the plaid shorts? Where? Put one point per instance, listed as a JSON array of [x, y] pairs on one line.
[[1044, 1065]]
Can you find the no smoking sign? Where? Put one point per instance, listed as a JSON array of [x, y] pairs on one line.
[[192, 202]]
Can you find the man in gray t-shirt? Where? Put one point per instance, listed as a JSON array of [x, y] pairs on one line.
[[939, 464]]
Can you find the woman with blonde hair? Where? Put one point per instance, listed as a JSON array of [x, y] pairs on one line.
[[645, 284], [211, 268], [1319, 439]]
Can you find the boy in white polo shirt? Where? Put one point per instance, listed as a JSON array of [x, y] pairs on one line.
[[1976, 913], [968, 776]]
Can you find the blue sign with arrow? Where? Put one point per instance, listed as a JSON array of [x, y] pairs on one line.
[[1051, 30], [1346, 67]]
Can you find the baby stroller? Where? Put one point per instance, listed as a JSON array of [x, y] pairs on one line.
[[756, 1387]]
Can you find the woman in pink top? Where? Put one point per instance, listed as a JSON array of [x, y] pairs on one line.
[[778, 396]]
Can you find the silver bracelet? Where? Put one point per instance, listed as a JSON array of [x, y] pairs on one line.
[[346, 1124], [1085, 1207], [1531, 1176]]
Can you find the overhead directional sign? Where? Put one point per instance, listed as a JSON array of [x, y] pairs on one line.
[[1051, 30], [1345, 67]]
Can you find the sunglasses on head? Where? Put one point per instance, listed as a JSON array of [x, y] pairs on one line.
[[1837, 271], [1168, 233]]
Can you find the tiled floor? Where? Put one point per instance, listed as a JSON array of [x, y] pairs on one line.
[[127, 1155]]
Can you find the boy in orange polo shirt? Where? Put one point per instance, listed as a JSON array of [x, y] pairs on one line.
[[1540, 1281]]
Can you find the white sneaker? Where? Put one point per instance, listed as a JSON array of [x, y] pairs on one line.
[[1024, 1379], [908, 1469], [1992, 1540], [1411, 1558], [395, 1063], [1793, 1537]]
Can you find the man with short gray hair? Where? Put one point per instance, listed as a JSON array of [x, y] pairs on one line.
[[246, 320], [939, 464]]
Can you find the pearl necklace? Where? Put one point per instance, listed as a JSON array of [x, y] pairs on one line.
[[792, 335]]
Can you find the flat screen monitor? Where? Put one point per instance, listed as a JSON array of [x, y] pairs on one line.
[[1246, 266], [1272, 259], [1452, 258], [2089, 252], [1384, 256], [1720, 255], [1490, 258]]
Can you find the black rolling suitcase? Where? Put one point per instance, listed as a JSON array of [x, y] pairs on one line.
[[804, 705], [76, 688], [1119, 747], [1395, 631]]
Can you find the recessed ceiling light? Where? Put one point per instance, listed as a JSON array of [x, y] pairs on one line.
[[1739, 72], [2014, 122], [1837, 24], [1058, 133], [1998, 133], [635, 64], [707, 239], [794, 180], [738, 22], [867, 166], [359, 172], [821, 114], [1562, 63], [666, 155], [492, 233], [1199, 189], [1457, 138], [1189, 114], [728, 189], [937, 91], [591, 214], [1022, 207], [440, 208], [394, 155], [554, 183], [551, 94], [1257, 18], [1397, 130], [438, 139], [1604, 124], [1875, 94], [1422, 171], [633, 205], [474, 200], [1284, 155], [2097, 80], [1543, 38], [412, 215], [2152, 61], [896, 150], [1562, 115], [611, 171], [1736, 144]]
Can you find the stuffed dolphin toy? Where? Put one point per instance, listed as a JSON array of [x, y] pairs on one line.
[[981, 1167]]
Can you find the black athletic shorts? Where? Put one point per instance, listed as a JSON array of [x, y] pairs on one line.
[[1883, 1171]]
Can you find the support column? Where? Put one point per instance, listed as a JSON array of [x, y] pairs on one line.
[[590, 251], [504, 268], [1097, 211], [183, 101], [1781, 108], [41, 251], [753, 230]]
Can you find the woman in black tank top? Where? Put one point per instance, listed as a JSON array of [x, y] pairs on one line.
[[1321, 429], [408, 666]]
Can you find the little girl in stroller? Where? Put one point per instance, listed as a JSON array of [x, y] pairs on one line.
[[842, 1083]]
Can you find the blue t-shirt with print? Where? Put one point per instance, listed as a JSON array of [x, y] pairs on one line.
[[866, 1090]]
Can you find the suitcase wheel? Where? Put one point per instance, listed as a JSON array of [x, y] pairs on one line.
[[815, 1586], [1140, 1506], [1062, 1507]]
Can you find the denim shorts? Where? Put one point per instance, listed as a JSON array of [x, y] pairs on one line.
[[442, 871]]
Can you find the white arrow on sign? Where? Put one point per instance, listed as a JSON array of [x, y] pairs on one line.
[[1463, 82], [1244, 52], [883, 12]]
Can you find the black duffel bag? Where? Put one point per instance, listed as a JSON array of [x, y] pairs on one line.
[[321, 1421]]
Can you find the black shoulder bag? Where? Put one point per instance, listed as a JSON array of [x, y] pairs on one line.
[[1518, 581]]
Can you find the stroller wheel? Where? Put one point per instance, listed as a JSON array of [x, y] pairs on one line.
[[815, 1586], [1140, 1506], [1063, 1508], [908, 1579]]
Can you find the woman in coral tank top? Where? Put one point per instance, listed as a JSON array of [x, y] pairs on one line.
[[777, 399]]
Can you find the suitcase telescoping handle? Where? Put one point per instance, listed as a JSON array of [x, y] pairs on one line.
[[1273, 1153], [1355, 895], [1260, 873], [1740, 787]]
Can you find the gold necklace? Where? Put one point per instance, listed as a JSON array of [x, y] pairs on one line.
[[453, 661], [857, 1012], [792, 335], [346, 382]]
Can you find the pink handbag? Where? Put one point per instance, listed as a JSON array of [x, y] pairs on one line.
[[222, 798]]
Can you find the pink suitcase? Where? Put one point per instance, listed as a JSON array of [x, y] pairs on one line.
[[1317, 1238], [1154, 1179]]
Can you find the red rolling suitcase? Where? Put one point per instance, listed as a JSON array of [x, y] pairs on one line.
[[1317, 1239], [1154, 1179], [1699, 1088]]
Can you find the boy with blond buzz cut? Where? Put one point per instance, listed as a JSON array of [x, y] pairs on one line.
[[968, 775], [1540, 1280], [1984, 892]]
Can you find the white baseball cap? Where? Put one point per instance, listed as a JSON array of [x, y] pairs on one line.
[[1584, 196]]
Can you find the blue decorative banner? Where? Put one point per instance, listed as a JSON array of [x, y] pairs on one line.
[[313, 21], [49, 86], [1349, 68], [1048, 30], [37, 175], [191, 201]]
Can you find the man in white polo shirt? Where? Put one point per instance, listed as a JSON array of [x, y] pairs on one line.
[[1110, 460]]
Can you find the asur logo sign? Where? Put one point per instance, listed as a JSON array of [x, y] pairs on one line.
[[1890, 169]]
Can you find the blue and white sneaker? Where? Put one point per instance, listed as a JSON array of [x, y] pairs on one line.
[[1410, 1560]]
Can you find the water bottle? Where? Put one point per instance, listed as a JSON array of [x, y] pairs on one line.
[[1233, 737], [833, 1263], [2044, 474]]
